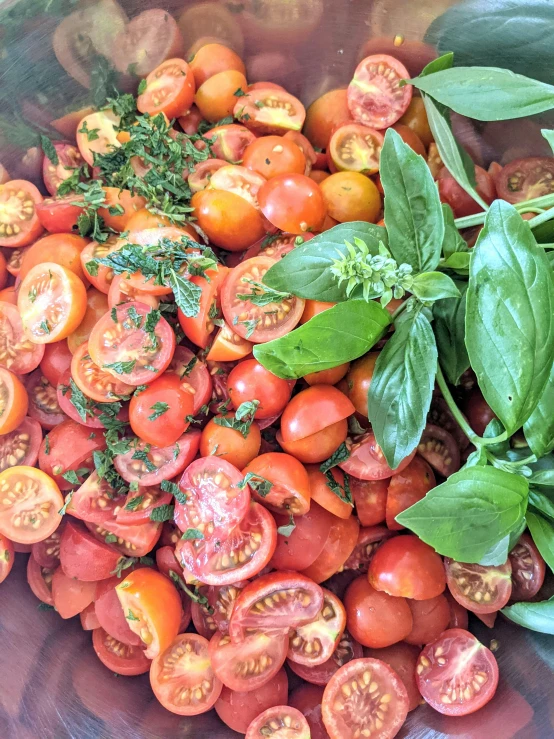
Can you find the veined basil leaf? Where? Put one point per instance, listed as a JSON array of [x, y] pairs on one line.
[[402, 386], [487, 93], [542, 477], [510, 316], [449, 325], [542, 532], [413, 212], [458, 262], [534, 616], [541, 502], [539, 427], [305, 270], [498, 554], [434, 286], [453, 242], [549, 136], [446, 61], [470, 513], [333, 337]]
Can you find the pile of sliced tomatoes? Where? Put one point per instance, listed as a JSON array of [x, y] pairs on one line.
[[209, 553]]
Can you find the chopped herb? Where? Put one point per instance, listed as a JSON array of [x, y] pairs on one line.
[[44, 327], [244, 416], [191, 534], [91, 133], [288, 528], [122, 368], [32, 294], [131, 616], [49, 150], [341, 455], [134, 486], [170, 487], [257, 483], [46, 444], [142, 87], [162, 513], [259, 104], [251, 325], [158, 409], [63, 509], [263, 295], [269, 239], [142, 455], [71, 477], [189, 367], [193, 594], [239, 93], [341, 491], [123, 563], [110, 538], [45, 607], [133, 503]]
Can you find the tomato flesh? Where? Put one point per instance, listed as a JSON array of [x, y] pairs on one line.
[[478, 588], [375, 97]]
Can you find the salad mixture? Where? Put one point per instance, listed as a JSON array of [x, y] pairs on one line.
[[277, 388]]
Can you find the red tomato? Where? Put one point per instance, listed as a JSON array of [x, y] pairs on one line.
[[479, 414], [359, 380], [376, 619], [274, 155], [71, 596], [10, 265], [29, 505], [338, 546], [54, 174], [117, 657], [44, 405], [55, 362], [367, 461], [228, 219], [19, 224], [478, 588], [17, 352], [199, 328], [369, 539], [525, 179], [14, 401], [458, 614], [251, 321], [84, 557], [406, 566], [97, 134], [101, 276], [20, 447], [346, 650], [249, 664], [195, 374], [305, 147], [228, 346], [292, 721], [70, 446], [307, 699], [59, 215], [312, 410], [169, 90], [402, 658], [95, 501], [128, 539], [356, 148], [7, 557], [215, 503], [158, 415], [40, 581], [126, 349], [270, 111], [456, 674], [8, 295], [211, 59], [110, 614], [139, 506], [347, 713], [375, 97], [327, 377], [47, 551], [458, 199], [293, 203], [289, 489], [89, 619], [407, 488], [314, 643], [316, 447], [276, 246], [117, 199], [182, 677], [431, 617], [370, 499], [232, 445], [411, 138], [438, 447], [245, 552], [326, 495], [237, 709], [528, 568], [304, 544], [201, 177], [229, 142], [94, 382]]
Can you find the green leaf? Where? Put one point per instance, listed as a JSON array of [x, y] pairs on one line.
[[49, 150], [487, 93], [446, 61], [162, 513], [186, 294], [305, 271], [549, 136], [498, 554], [510, 316], [466, 516], [434, 286], [541, 502], [402, 387], [449, 325], [158, 409], [287, 529], [413, 213], [542, 532], [453, 243], [534, 616], [458, 262], [192, 534], [539, 427], [333, 337], [340, 455]]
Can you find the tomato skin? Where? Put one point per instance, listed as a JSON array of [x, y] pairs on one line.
[[327, 377], [22, 197], [71, 596], [116, 198], [367, 461], [63, 249], [250, 380], [15, 401], [198, 329], [376, 619], [322, 493], [402, 658], [212, 59], [411, 138], [339, 545], [324, 115], [229, 142], [300, 549], [406, 566], [370, 499], [407, 488], [456, 197], [526, 558], [431, 617], [230, 443], [198, 378], [17, 353], [319, 446], [488, 588], [312, 410], [369, 539], [176, 97], [70, 448], [228, 220], [117, 657], [171, 424], [228, 346], [85, 558], [464, 659], [293, 203], [290, 489], [359, 380], [56, 361], [89, 619], [8, 295], [270, 156], [7, 557], [169, 467], [351, 196], [216, 98], [479, 414], [237, 709]]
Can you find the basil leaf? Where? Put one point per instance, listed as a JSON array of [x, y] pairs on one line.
[[541, 502], [487, 93], [453, 243], [446, 61], [413, 213], [333, 337], [542, 532], [470, 513], [434, 286], [305, 270], [458, 262], [539, 427], [549, 136], [510, 316], [449, 325], [543, 477], [402, 387], [498, 554], [534, 616]]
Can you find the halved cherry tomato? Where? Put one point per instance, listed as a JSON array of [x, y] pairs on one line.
[[238, 180], [20, 446], [199, 328], [290, 720], [356, 148], [52, 302], [458, 199], [202, 617], [339, 545], [305, 147], [276, 246], [44, 406], [221, 599], [216, 97], [406, 566], [525, 179], [249, 664], [14, 401], [95, 501], [375, 97], [245, 552], [478, 412], [249, 380], [270, 156], [237, 709], [347, 650], [69, 446], [117, 657], [235, 448], [411, 138], [19, 223], [406, 488], [7, 557], [195, 374], [367, 461], [47, 551], [53, 173], [71, 596], [89, 619], [88, 413], [456, 674], [29, 504], [312, 410], [229, 142], [40, 581], [116, 199], [228, 346], [97, 306], [56, 361], [121, 344], [374, 618], [182, 677], [270, 111], [202, 175], [251, 321], [359, 380], [229, 220], [528, 569], [212, 59], [59, 215], [299, 549], [122, 292], [130, 540], [347, 714], [315, 642], [11, 265], [402, 658], [293, 203], [326, 494], [324, 115], [289, 491], [137, 507], [478, 588], [370, 499], [162, 463], [158, 415], [152, 607], [438, 447], [97, 134], [369, 539], [98, 274], [214, 502], [351, 196], [431, 617]]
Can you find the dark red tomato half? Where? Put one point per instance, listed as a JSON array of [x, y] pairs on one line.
[[71, 596], [161, 463], [43, 401], [370, 499], [138, 507], [47, 552], [402, 658], [40, 581], [290, 719], [525, 179], [438, 447], [110, 613], [130, 540], [195, 374], [367, 461], [84, 557], [528, 569], [369, 539], [458, 199], [456, 674], [95, 501], [248, 664], [299, 549], [479, 589], [69, 447], [117, 657], [20, 447]]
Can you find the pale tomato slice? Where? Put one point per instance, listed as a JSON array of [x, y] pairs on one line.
[[17, 352], [97, 134]]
